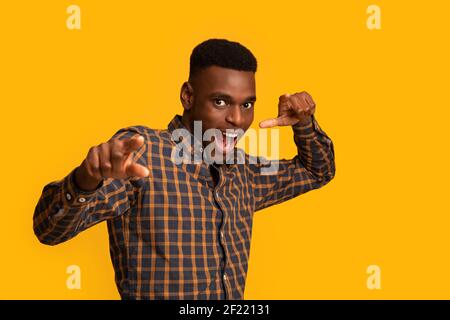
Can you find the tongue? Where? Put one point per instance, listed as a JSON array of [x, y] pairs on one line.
[[224, 139]]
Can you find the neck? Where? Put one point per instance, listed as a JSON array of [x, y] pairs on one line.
[[187, 122]]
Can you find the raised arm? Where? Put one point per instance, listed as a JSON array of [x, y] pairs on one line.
[[99, 189], [313, 166]]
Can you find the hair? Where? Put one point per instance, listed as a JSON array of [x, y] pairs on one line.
[[221, 53]]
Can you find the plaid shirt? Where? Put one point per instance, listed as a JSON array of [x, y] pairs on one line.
[[177, 234]]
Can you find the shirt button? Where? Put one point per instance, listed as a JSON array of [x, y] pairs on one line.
[[82, 200], [68, 196], [225, 277]]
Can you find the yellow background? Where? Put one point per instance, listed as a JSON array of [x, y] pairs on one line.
[[382, 96]]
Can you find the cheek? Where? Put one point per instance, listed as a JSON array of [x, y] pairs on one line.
[[202, 110], [249, 118], [210, 117]]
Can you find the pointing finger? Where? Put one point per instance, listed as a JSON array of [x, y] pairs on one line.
[[133, 143]]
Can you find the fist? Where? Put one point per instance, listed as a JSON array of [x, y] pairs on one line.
[[112, 159], [292, 109]]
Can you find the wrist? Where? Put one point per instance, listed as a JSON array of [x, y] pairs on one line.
[[304, 122], [83, 180]]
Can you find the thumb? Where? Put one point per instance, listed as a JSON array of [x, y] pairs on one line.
[[283, 120], [137, 170], [269, 123]]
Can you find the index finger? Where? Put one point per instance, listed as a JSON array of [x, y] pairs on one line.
[[133, 143]]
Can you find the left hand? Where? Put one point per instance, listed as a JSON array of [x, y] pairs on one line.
[[292, 109]]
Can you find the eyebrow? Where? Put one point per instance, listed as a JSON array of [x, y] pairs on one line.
[[225, 96]]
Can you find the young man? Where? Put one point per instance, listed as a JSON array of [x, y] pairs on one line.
[[181, 230]]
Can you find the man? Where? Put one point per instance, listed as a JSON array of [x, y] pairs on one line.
[[182, 230]]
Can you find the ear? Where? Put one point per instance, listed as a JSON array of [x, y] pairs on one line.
[[187, 95]]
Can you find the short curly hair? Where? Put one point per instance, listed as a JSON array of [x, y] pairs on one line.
[[221, 53]]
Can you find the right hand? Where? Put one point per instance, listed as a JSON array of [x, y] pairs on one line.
[[112, 159]]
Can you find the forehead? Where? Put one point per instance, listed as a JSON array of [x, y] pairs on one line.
[[231, 81]]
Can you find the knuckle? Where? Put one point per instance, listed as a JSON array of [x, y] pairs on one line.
[[106, 165], [114, 142]]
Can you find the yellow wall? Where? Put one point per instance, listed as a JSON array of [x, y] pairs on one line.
[[382, 96]]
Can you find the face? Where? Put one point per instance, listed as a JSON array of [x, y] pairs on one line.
[[222, 99]]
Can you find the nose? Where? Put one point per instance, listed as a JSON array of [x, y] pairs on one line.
[[234, 116]]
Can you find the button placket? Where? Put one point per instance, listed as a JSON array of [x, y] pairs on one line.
[[224, 217]]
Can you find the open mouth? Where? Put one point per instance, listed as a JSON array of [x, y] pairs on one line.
[[226, 141]]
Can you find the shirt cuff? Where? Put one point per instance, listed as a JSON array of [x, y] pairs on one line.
[[307, 130], [73, 195]]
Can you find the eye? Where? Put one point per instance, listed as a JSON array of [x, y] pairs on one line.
[[248, 105], [220, 102]]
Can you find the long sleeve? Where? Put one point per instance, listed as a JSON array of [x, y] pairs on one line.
[[280, 180], [64, 210]]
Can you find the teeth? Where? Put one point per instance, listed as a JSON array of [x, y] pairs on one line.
[[230, 135]]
